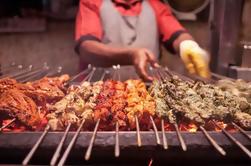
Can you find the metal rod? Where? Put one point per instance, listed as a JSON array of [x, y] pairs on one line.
[[165, 145], [32, 74], [71, 144], [91, 74], [78, 75], [213, 142], [219, 77], [155, 131], [18, 73], [54, 72], [60, 146], [37, 144], [117, 149], [89, 150], [103, 75], [241, 130], [138, 132], [234, 140], [6, 125], [181, 140]]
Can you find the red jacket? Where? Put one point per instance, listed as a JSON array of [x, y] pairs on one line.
[[88, 23]]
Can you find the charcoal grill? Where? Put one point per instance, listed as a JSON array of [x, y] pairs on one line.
[[156, 147]]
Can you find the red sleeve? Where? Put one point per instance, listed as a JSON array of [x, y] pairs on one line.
[[169, 27], [88, 19]]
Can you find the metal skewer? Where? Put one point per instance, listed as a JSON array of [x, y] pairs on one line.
[[241, 130], [60, 146], [89, 150], [54, 72], [78, 75], [213, 142], [34, 148], [74, 139], [89, 76], [31, 76], [138, 132], [181, 140], [155, 131], [31, 73], [70, 146], [18, 73], [6, 125], [234, 140], [165, 145], [117, 150]]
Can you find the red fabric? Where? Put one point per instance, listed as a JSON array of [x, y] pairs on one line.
[[88, 17]]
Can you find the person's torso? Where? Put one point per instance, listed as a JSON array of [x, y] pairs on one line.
[[139, 31]]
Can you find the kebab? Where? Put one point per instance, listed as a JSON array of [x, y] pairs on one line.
[[139, 104], [27, 102], [77, 105], [199, 103], [110, 106]]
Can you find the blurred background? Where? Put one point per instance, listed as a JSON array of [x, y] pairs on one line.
[[37, 31]]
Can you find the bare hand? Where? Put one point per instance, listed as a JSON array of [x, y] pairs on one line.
[[140, 58]]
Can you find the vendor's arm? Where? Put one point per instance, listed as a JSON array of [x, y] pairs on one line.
[[178, 41]]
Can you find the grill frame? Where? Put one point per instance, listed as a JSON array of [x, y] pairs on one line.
[[198, 147]]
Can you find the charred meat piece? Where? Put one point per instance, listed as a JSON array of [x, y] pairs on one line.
[[6, 84], [50, 89], [78, 104], [139, 103], [17, 105]]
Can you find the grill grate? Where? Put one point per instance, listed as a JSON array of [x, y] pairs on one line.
[[116, 139]]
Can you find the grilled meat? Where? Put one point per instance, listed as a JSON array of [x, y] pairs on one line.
[[15, 104], [139, 103], [110, 105], [239, 88], [199, 102], [7, 83], [78, 104]]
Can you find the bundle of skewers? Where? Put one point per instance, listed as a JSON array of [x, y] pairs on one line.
[[170, 103]]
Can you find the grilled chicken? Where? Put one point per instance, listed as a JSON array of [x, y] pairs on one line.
[[15, 104]]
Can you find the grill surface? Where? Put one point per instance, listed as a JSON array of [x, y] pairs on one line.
[[199, 149], [14, 147]]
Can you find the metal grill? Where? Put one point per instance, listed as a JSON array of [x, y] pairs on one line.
[[58, 148]]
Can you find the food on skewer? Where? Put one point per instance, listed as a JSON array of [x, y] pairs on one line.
[[27, 102], [110, 106], [200, 103], [239, 88], [78, 104], [15, 104], [139, 103]]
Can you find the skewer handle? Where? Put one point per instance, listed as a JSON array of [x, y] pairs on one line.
[[89, 150], [165, 145], [33, 150], [242, 147], [70, 146], [3, 127], [138, 132], [182, 142], [117, 150], [155, 131], [60, 145], [213, 142], [241, 130]]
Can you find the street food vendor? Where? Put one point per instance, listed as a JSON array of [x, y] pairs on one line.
[[129, 32]]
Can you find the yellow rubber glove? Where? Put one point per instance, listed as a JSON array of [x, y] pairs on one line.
[[195, 58]]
